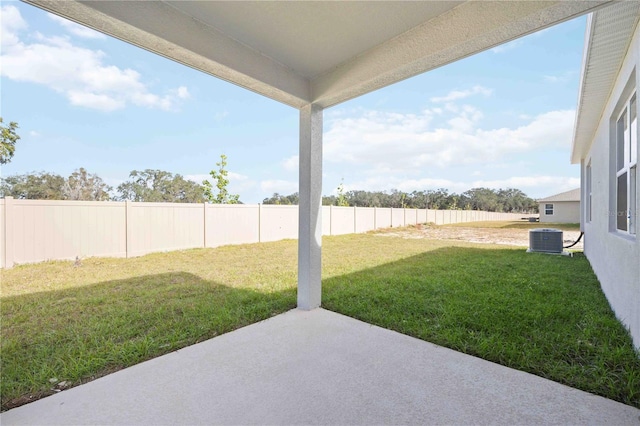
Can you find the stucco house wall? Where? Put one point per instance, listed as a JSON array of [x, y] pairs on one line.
[[614, 255], [563, 212]]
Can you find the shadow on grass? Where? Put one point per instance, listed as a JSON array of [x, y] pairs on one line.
[[538, 313], [82, 333]]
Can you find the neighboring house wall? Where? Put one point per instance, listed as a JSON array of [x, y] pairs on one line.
[[614, 254], [563, 212]]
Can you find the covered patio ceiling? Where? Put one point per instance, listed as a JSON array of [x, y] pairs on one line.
[[315, 54], [320, 52]]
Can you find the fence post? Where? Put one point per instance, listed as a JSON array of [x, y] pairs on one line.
[[204, 224], [355, 224], [128, 227], [8, 232], [375, 219], [260, 222], [331, 219]]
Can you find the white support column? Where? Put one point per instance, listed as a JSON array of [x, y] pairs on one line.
[[310, 209]]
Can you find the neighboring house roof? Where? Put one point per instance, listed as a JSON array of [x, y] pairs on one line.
[[573, 195], [321, 52], [608, 35]]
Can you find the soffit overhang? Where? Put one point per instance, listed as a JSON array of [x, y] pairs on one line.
[[607, 38], [323, 52]]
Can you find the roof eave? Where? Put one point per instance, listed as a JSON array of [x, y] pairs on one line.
[[608, 36], [577, 145]]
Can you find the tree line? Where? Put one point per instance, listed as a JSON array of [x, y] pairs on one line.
[[160, 186], [150, 185], [146, 185], [143, 185], [508, 200]]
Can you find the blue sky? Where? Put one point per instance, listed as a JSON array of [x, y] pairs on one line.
[[502, 118]]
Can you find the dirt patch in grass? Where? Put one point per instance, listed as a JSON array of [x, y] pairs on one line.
[[513, 236]]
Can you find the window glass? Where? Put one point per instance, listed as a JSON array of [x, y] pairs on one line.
[[621, 219], [633, 133], [624, 149], [620, 139]]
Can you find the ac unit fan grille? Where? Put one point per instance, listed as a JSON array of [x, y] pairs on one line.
[[545, 240]]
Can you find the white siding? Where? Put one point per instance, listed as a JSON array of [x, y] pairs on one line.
[[614, 256]]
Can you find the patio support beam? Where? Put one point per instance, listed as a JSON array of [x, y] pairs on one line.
[[310, 208]]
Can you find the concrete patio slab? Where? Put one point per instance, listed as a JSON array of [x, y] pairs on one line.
[[319, 367]]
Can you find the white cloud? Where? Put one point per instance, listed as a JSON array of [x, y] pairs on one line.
[[232, 176], [95, 101], [558, 182], [238, 183], [181, 92], [237, 176], [542, 185], [78, 73], [198, 178], [507, 46], [284, 187], [34, 134], [461, 94], [219, 116], [560, 78], [388, 141], [77, 29], [290, 164], [11, 22]]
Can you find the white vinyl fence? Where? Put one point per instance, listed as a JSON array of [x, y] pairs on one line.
[[35, 231]]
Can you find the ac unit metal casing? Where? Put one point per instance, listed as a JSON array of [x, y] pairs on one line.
[[545, 240]]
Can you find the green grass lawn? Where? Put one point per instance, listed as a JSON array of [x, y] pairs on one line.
[[537, 313]]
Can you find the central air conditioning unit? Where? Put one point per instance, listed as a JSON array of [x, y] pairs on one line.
[[545, 240]]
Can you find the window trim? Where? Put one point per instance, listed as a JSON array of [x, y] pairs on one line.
[[624, 150], [548, 209]]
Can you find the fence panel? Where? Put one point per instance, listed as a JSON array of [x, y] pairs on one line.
[[34, 230], [410, 217], [326, 220], [421, 215], [278, 222], [431, 216], [365, 219], [383, 217], [397, 218], [342, 220], [153, 227], [50, 230], [244, 217], [2, 234]]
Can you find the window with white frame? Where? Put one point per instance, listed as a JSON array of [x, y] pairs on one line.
[[548, 209], [588, 206], [626, 153]]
